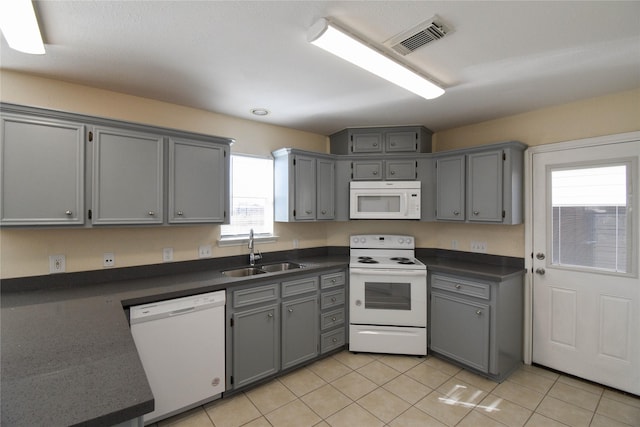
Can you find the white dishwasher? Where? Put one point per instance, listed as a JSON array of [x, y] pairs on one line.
[[181, 345]]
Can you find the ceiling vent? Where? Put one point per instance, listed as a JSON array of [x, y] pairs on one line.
[[422, 34]]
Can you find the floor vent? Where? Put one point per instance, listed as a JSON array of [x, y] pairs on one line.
[[420, 35]]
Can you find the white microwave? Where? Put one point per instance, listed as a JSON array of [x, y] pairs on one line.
[[384, 200]]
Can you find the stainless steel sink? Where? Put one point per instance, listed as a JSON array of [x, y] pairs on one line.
[[280, 266], [243, 272]]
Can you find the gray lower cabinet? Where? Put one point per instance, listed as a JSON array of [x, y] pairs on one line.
[[41, 171], [333, 311], [127, 177], [273, 327], [198, 182], [477, 323]]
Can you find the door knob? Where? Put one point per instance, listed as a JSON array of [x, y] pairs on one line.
[[540, 271]]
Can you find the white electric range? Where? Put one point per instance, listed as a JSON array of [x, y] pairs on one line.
[[387, 295]]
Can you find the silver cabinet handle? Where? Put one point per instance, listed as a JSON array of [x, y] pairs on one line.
[[393, 172], [68, 213], [269, 314], [333, 280], [476, 213], [308, 212], [333, 319], [456, 213], [375, 144], [375, 172], [180, 213], [540, 271], [333, 299], [151, 213], [458, 286], [290, 310], [479, 312], [324, 212]]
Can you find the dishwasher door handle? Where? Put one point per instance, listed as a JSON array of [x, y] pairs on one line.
[[182, 311]]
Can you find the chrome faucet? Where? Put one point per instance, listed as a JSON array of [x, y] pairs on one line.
[[253, 257]]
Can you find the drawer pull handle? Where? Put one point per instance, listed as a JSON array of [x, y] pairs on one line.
[[151, 213], [335, 340], [458, 286], [180, 213], [479, 312], [456, 213], [333, 299], [333, 319], [68, 213], [476, 213], [291, 310], [270, 315]]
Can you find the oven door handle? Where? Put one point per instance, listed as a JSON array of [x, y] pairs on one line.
[[398, 272]]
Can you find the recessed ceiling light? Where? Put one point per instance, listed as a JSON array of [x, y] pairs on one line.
[[259, 111]]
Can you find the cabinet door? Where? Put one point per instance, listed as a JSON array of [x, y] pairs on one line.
[[305, 188], [366, 170], [299, 330], [127, 177], [460, 330], [484, 187], [41, 171], [366, 141], [450, 191], [400, 141], [256, 344], [197, 182], [400, 170], [325, 189]]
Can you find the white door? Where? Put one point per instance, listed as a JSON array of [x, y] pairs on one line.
[[586, 292]]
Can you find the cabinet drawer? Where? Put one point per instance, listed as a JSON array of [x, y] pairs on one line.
[[461, 286], [332, 299], [331, 319], [333, 279], [331, 340], [300, 286], [258, 294]]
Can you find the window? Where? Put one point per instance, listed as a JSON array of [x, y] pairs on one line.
[[590, 222], [251, 197]]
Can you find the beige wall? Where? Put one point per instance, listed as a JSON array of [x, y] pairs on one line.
[[24, 252]]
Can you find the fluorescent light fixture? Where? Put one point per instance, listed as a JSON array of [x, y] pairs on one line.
[[20, 27], [327, 36]]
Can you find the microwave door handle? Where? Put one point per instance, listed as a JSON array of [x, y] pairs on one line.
[[406, 203]]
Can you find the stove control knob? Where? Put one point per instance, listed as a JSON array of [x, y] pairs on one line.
[[363, 240], [355, 240], [401, 240], [409, 241]]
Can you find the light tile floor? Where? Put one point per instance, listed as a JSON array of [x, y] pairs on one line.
[[353, 390]]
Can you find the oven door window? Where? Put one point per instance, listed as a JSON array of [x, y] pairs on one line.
[[387, 296], [384, 204]]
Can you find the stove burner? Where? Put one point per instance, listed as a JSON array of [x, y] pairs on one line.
[[367, 260], [365, 257], [403, 260], [406, 262]]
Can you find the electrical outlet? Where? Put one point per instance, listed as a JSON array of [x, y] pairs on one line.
[[204, 251], [167, 254], [109, 259], [480, 247], [296, 243], [57, 264], [454, 244]]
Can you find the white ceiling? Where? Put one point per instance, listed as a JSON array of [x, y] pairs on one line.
[[231, 56]]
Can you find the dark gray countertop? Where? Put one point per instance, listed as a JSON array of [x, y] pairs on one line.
[[67, 354]]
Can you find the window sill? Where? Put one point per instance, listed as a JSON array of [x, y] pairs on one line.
[[244, 240]]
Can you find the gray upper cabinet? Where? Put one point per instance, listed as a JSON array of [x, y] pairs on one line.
[[450, 193], [481, 185], [304, 187], [366, 170], [127, 177], [404, 170], [41, 171], [326, 189], [389, 140], [198, 182]]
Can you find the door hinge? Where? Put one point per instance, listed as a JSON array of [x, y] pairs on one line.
[[231, 322], [294, 213], [224, 152], [231, 379], [90, 136], [224, 214], [504, 156], [294, 162], [504, 214], [89, 214]]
